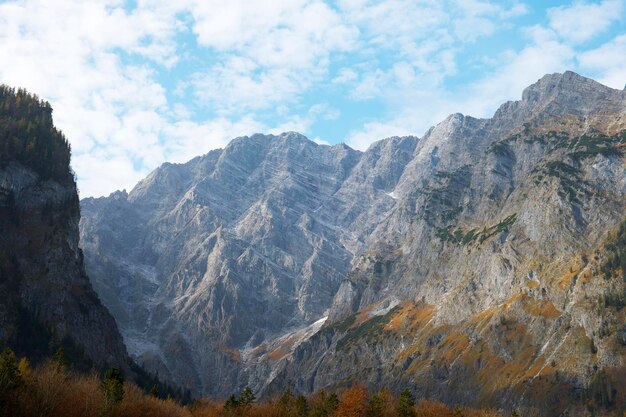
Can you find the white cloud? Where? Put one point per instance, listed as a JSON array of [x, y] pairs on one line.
[[422, 108], [135, 84], [345, 75], [68, 53], [582, 21], [269, 53], [374, 131], [608, 61]]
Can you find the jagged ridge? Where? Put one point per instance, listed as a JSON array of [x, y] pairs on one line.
[[216, 258]]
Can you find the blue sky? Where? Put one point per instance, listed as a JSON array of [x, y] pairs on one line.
[[134, 84]]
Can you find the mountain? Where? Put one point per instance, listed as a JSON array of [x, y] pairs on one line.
[[46, 299], [479, 264]]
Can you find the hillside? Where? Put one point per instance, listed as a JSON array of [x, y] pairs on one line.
[[479, 264], [46, 299]]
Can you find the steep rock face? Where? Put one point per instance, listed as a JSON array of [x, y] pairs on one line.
[[47, 300], [419, 251], [496, 243], [214, 257]]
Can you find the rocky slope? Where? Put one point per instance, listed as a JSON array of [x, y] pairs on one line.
[[46, 298], [471, 254]]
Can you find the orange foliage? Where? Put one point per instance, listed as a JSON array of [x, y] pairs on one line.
[[353, 402], [52, 391], [137, 404], [429, 408]]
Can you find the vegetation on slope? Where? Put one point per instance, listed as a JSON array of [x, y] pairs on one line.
[[52, 390], [28, 136], [462, 237], [616, 254]]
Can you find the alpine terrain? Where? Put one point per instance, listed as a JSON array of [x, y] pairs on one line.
[[46, 298], [482, 263]]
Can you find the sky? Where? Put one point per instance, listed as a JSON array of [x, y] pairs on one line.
[[134, 84]]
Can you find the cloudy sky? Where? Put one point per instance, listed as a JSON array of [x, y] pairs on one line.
[[136, 83]]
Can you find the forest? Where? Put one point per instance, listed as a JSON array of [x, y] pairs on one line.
[[52, 389], [28, 136]]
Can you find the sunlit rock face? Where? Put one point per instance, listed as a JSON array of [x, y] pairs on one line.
[[277, 262]]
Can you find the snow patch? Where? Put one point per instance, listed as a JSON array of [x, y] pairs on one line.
[[288, 341]]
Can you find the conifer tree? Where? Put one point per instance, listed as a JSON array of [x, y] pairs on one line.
[[406, 404], [247, 397], [9, 375], [301, 406], [231, 404], [113, 386], [59, 358]]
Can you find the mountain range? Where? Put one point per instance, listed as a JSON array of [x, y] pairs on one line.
[[482, 263]]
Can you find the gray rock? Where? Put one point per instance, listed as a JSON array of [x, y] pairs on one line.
[[47, 298], [213, 267]]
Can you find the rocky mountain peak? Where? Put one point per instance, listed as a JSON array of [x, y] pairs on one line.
[[572, 93], [277, 262]]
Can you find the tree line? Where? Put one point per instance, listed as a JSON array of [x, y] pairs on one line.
[[28, 136], [52, 389]]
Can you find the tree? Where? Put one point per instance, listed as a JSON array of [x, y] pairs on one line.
[[59, 358], [301, 407], [231, 404], [406, 404], [23, 367], [375, 406], [323, 404], [247, 397], [332, 402], [284, 405], [113, 386], [353, 402], [9, 374]]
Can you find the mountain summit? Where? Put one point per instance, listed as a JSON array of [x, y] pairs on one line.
[[471, 265]]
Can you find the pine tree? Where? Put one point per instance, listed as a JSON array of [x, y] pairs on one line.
[[375, 406], [9, 374], [332, 402], [60, 359], [113, 386], [406, 404], [247, 397], [231, 404], [301, 407]]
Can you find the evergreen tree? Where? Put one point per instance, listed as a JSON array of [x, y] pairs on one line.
[[301, 407], [285, 402], [406, 404], [332, 402], [113, 386], [60, 359], [247, 397], [375, 406], [231, 404], [9, 374]]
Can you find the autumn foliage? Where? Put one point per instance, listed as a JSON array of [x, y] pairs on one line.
[[51, 390]]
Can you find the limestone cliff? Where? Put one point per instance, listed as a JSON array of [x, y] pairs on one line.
[[469, 264]]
